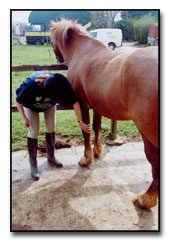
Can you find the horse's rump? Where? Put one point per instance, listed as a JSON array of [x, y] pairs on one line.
[[141, 91]]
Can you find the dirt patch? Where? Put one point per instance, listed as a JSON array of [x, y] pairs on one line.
[[67, 142], [120, 140]]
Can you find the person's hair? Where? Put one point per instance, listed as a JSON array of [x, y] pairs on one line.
[[52, 83]]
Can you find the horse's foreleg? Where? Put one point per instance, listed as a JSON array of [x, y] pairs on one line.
[[97, 150], [150, 197], [87, 159]]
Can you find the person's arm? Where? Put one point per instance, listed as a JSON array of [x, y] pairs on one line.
[[83, 126], [23, 116]]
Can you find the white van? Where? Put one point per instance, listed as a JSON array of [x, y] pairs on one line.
[[110, 37]]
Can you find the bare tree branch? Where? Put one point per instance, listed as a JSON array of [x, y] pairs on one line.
[[103, 19]]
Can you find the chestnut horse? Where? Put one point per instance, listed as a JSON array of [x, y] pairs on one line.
[[119, 86]]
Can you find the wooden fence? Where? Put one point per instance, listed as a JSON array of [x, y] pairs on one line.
[[57, 67]]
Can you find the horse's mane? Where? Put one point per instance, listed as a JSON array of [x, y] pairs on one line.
[[64, 31]]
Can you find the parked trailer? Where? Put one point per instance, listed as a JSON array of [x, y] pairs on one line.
[[39, 21], [38, 34]]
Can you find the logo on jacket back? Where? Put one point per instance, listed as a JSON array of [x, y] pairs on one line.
[[38, 99]]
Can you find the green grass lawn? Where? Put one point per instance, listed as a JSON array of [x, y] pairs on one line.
[[32, 54], [66, 125], [67, 128]]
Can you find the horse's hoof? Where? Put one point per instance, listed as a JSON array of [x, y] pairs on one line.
[[97, 152], [84, 162], [146, 201]]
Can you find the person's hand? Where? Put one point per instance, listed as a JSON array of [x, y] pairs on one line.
[[85, 127], [26, 122]]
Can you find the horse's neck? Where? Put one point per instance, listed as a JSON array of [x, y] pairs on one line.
[[71, 51], [88, 45]]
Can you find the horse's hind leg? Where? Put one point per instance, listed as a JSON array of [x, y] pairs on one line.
[[87, 159], [150, 197], [97, 150]]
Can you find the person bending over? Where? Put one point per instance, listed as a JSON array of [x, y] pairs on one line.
[[40, 92]]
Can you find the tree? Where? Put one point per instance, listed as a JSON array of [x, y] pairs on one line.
[[141, 27], [111, 15], [103, 19], [127, 27], [138, 14], [135, 24], [98, 19]]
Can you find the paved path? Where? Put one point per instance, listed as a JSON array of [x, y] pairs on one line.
[[75, 198], [128, 47]]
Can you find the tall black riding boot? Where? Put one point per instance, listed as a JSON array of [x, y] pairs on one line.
[[50, 146], [32, 151]]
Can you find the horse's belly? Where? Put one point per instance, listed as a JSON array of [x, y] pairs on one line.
[[108, 108]]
